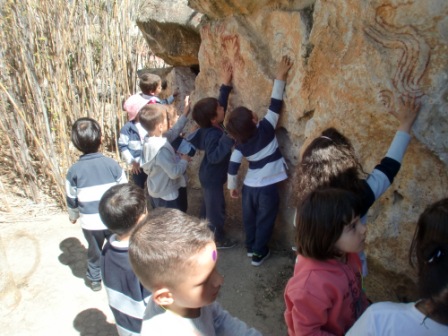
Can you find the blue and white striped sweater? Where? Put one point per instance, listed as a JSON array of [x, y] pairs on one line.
[[266, 163]]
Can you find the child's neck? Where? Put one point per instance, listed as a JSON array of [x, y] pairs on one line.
[[123, 237], [183, 311], [342, 258]]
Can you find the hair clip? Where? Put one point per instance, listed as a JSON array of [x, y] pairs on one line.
[[436, 255], [325, 137]]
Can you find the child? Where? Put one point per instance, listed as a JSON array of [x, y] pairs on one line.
[[330, 160], [151, 86], [174, 255], [131, 138], [120, 209], [428, 316], [209, 113], [160, 162], [325, 295], [86, 182], [258, 144]]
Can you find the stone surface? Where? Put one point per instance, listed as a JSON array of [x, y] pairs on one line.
[[353, 60]]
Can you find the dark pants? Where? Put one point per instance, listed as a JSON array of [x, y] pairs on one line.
[[180, 203], [214, 209], [95, 241], [140, 179], [260, 208]]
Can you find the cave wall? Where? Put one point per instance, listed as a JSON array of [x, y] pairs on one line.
[[352, 60]]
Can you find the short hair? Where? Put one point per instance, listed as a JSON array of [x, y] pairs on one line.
[[329, 161], [320, 221], [149, 82], [86, 135], [121, 206], [240, 124], [429, 247], [204, 111], [151, 115], [162, 246]]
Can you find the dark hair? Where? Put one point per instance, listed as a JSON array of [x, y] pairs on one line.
[[240, 124], [151, 115], [148, 83], [329, 161], [204, 111], [121, 206], [429, 248], [86, 135], [162, 244], [320, 221]]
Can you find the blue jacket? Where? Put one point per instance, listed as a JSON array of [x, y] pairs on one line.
[[130, 143]]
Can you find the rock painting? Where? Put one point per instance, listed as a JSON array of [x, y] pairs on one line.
[[414, 54]]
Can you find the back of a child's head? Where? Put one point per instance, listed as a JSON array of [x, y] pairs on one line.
[[430, 249], [121, 207], [204, 111], [320, 221], [151, 115], [86, 135], [149, 82], [240, 124], [163, 244], [329, 161]]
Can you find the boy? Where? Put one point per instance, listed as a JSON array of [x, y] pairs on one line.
[[151, 86], [165, 171], [121, 207], [209, 113], [258, 144], [174, 255], [87, 180]]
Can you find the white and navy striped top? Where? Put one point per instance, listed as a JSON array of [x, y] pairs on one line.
[[266, 163]]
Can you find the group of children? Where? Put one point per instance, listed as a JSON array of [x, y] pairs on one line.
[[158, 265]]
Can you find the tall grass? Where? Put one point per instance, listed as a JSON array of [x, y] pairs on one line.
[[61, 60]]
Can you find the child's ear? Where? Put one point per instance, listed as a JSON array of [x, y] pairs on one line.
[[163, 297]]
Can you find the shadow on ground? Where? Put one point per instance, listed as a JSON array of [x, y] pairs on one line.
[[93, 322], [74, 255]]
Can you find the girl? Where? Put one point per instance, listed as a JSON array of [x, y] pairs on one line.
[[325, 297], [429, 316], [330, 161]]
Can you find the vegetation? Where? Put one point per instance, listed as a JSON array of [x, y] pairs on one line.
[[61, 60]]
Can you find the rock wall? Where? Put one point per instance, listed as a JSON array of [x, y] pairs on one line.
[[353, 59]]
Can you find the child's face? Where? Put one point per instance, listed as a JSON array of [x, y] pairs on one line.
[[200, 283], [219, 115], [158, 89], [352, 239]]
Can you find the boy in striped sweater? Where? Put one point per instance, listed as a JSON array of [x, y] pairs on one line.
[[256, 142]]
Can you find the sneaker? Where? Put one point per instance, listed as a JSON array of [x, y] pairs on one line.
[[225, 244], [257, 259], [95, 285], [250, 254]]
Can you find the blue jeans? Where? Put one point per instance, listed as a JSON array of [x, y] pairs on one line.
[[260, 208], [180, 203], [140, 179], [95, 241], [214, 209]]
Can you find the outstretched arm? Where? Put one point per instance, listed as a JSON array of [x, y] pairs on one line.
[[406, 112]]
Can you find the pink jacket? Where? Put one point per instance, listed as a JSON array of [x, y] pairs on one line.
[[324, 297]]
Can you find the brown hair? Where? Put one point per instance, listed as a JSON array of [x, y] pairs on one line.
[[204, 111], [163, 244], [151, 115], [148, 83], [86, 135], [240, 124]]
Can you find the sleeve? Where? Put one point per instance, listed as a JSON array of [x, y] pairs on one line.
[[365, 325], [217, 147], [71, 196], [167, 162], [276, 102], [121, 178], [167, 101], [227, 325], [234, 166], [224, 92], [123, 146], [177, 128]]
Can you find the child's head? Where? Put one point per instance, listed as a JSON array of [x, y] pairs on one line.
[[153, 117], [329, 161], [430, 249], [328, 225], [121, 207], [241, 124], [133, 105], [150, 84], [174, 255], [207, 112], [86, 135]]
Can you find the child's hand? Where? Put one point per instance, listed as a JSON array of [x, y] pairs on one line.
[[186, 106], [406, 112], [185, 157], [234, 193], [283, 68], [226, 73], [73, 221], [135, 168]]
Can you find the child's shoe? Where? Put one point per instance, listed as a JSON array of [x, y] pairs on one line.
[[225, 244], [250, 254], [95, 285], [257, 259]]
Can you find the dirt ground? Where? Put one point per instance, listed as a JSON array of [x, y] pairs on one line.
[[46, 295]]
